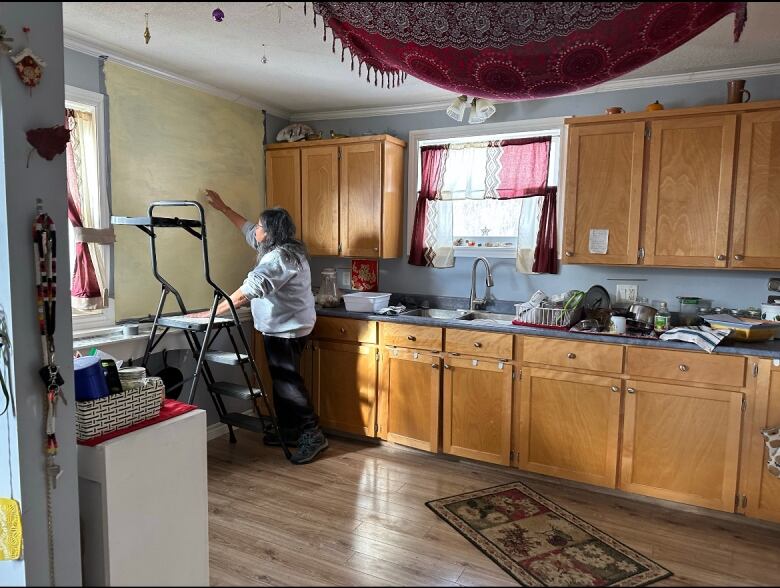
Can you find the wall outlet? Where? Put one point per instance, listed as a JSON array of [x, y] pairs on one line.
[[626, 292]]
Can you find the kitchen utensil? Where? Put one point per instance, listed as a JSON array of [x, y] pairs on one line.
[[636, 327], [643, 313], [172, 378], [601, 315], [587, 325], [689, 304], [770, 312], [736, 90], [618, 324]]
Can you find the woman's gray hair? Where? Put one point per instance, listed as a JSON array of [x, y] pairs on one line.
[[280, 234]]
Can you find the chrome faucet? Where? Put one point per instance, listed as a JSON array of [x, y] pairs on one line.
[[474, 302]]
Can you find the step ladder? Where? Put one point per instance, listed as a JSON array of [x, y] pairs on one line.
[[201, 334]]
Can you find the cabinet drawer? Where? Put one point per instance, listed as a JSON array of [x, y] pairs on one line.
[[340, 329], [597, 357], [496, 345], [684, 366], [412, 336]]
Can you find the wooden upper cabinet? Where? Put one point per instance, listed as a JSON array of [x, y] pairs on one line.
[[756, 211], [360, 196], [320, 199], [283, 182], [604, 191], [690, 176]]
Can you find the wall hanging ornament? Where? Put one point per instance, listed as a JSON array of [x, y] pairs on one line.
[[218, 15], [147, 34], [526, 49], [48, 142], [29, 67], [4, 41]]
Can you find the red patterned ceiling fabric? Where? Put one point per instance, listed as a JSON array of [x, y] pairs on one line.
[[514, 50]]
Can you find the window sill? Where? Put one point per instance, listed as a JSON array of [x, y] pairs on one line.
[[489, 252]]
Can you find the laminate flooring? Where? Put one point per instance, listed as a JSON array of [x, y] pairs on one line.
[[357, 517]]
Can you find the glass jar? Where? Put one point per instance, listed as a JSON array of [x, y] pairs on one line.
[[329, 294], [663, 317]]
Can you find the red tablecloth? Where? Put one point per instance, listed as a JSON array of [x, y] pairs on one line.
[[169, 410]]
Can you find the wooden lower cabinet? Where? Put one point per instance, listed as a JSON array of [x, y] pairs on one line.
[[569, 425], [477, 412], [681, 443], [344, 382], [409, 391], [762, 489]]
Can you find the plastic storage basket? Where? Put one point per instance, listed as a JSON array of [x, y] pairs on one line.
[[117, 411], [366, 301]]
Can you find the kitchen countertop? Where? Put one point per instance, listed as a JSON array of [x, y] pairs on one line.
[[769, 349]]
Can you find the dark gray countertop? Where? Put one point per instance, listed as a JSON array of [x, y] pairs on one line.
[[770, 349]]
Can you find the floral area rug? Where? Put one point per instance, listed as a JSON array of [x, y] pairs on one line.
[[539, 543]]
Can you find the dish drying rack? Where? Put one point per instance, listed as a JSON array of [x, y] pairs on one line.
[[546, 316]]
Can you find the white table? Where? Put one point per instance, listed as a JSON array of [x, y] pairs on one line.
[[143, 499]]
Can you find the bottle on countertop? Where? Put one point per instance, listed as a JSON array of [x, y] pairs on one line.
[[663, 317]]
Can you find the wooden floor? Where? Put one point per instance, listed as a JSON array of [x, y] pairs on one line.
[[357, 517]]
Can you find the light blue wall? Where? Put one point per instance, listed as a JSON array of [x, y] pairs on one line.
[[273, 124], [83, 71], [732, 288]]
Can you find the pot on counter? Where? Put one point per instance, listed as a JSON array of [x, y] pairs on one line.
[[643, 313]]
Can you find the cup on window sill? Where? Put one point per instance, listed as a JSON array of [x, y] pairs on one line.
[[129, 330]]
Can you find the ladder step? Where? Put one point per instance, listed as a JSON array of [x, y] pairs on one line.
[[192, 324], [235, 390], [244, 421], [226, 357]]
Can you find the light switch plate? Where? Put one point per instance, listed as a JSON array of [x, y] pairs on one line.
[[344, 277], [626, 292]]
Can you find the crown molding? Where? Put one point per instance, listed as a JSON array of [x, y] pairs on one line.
[[751, 71], [76, 42]]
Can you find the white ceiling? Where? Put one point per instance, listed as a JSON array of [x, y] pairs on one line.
[[303, 75]]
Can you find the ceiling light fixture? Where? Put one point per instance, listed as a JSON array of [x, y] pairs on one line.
[[481, 109], [457, 109]]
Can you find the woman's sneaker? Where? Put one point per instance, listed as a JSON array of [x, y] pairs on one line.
[[290, 438], [310, 444]]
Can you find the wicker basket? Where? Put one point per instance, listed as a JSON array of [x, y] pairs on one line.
[[117, 411]]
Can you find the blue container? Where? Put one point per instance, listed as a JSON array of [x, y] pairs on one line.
[[89, 379]]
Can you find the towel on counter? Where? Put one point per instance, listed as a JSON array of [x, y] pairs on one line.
[[772, 436], [392, 310], [703, 336]]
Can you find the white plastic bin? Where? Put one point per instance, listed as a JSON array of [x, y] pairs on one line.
[[366, 301]]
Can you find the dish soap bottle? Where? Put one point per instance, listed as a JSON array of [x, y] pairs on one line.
[[662, 318]]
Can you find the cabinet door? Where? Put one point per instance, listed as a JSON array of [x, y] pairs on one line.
[[283, 181], [345, 381], [477, 410], [409, 398], [360, 195], [569, 425], [320, 199], [763, 489], [681, 443], [690, 176], [756, 204], [604, 191]]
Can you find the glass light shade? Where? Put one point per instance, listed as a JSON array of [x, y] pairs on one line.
[[457, 109], [474, 116], [485, 108]]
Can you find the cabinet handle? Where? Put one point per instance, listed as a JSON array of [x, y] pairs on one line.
[[376, 248], [721, 258], [683, 367], [615, 389], [446, 366], [342, 330], [572, 355], [569, 254], [630, 390], [477, 344], [739, 257], [435, 366], [412, 338]]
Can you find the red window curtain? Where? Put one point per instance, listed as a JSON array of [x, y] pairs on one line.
[[432, 163], [546, 254], [84, 288], [524, 166]]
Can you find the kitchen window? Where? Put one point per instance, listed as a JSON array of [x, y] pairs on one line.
[[501, 223], [89, 230]]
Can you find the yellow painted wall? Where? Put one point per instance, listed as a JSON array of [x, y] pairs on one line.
[[170, 142]]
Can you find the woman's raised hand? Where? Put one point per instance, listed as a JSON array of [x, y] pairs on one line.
[[216, 201]]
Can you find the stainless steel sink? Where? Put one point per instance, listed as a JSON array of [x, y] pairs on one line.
[[436, 313], [487, 317]]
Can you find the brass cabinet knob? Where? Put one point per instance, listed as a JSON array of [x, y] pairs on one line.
[[739, 257], [683, 367], [721, 258], [630, 390], [412, 338], [569, 254], [615, 389], [477, 344], [571, 356]]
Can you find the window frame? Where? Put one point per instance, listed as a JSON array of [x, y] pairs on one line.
[[78, 97], [531, 127]]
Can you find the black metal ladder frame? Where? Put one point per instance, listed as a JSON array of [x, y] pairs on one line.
[[197, 348]]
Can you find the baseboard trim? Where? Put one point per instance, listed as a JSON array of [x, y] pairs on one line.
[[218, 430]]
